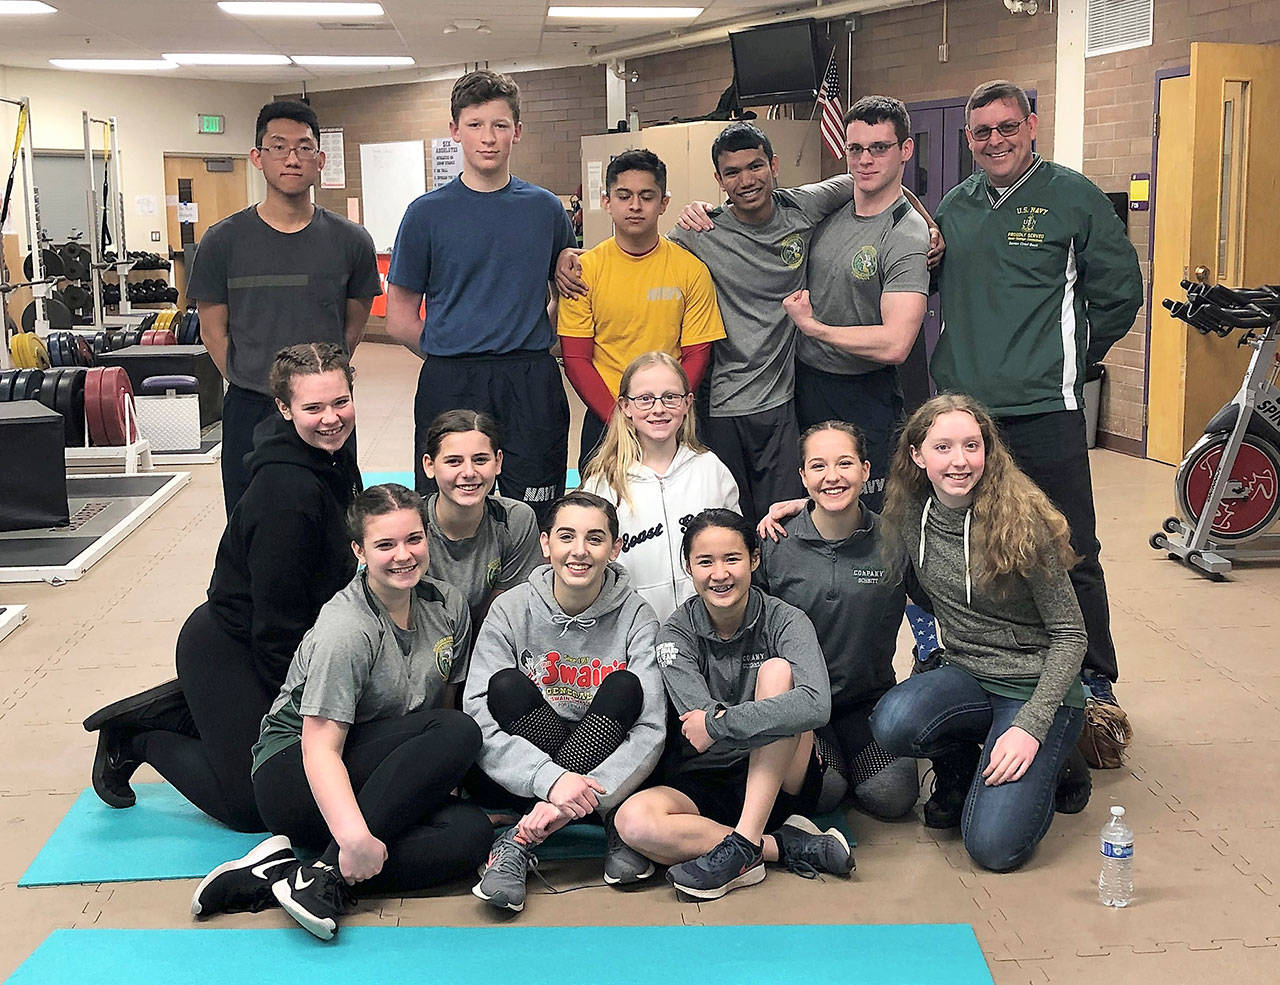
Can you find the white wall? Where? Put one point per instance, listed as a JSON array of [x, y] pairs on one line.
[[156, 116]]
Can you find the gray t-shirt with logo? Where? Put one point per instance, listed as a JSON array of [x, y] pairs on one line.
[[853, 260], [499, 555], [754, 268]]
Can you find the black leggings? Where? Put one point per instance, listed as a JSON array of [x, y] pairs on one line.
[[227, 698], [519, 708], [402, 771]]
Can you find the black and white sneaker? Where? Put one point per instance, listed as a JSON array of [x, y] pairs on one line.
[[623, 865], [315, 895], [114, 763], [733, 863], [244, 885], [806, 850]]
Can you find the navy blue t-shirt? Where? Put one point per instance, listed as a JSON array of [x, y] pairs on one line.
[[483, 260]]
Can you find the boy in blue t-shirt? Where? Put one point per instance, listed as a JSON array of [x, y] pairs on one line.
[[481, 250]]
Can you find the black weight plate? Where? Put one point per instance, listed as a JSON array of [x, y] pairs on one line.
[[76, 297], [69, 402], [135, 337], [99, 343], [53, 266], [29, 317], [75, 261], [117, 340], [49, 388], [58, 313], [149, 321], [26, 384], [7, 378]]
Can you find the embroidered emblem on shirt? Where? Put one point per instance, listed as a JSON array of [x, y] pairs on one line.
[[491, 572], [1027, 235], [864, 263], [444, 655], [791, 250]]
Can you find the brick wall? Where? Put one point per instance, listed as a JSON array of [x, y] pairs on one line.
[[1119, 105], [557, 107], [681, 83]]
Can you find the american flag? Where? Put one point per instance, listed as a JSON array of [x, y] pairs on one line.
[[832, 125]]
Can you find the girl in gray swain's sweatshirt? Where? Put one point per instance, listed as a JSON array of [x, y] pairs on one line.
[[991, 552], [828, 562], [565, 686], [747, 678]]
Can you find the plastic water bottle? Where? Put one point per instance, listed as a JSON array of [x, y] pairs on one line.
[[1115, 884]]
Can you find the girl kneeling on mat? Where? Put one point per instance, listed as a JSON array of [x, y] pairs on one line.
[[652, 467], [480, 543], [361, 749], [992, 554], [282, 556], [828, 562], [747, 678], [566, 689]]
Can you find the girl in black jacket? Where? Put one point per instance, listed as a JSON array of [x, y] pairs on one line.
[[283, 555]]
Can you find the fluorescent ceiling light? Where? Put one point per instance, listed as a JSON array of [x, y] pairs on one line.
[[217, 58], [365, 60], [113, 64], [26, 7], [273, 9], [626, 13]]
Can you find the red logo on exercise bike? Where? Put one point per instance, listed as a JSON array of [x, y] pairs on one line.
[[1249, 504]]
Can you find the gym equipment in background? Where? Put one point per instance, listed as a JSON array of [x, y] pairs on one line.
[[1228, 485]]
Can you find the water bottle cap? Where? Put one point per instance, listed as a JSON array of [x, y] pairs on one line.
[[1117, 811]]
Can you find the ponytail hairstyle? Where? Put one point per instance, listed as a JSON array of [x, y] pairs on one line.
[[1015, 529], [379, 501], [620, 448], [460, 422], [308, 358], [720, 517]]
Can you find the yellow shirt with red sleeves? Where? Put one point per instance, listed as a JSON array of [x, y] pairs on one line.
[[658, 302]]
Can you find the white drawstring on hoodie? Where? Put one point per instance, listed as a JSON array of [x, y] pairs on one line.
[[564, 621], [968, 513]]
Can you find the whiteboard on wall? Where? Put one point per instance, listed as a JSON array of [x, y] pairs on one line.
[[391, 176]]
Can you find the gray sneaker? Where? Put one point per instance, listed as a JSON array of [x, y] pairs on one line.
[[622, 863], [806, 850], [503, 877]]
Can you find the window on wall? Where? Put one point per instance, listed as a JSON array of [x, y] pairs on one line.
[[1117, 25]]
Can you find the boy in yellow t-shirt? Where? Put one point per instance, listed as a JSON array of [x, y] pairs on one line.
[[644, 294]]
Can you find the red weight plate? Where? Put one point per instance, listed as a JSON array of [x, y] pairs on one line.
[[148, 337], [93, 380], [117, 391], [164, 337], [85, 351]]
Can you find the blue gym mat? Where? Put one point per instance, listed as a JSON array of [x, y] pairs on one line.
[[406, 478], [941, 954], [161, 837]]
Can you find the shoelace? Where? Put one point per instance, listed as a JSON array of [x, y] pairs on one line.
[[801, 868], [727, 849], [510, 858], [335, 892]]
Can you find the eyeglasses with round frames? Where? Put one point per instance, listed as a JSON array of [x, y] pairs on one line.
[[645, 401], [1006, 129]]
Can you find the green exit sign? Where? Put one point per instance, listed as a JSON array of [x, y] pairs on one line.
[[210, 123]]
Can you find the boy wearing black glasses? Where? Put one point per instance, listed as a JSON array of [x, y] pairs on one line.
[[868, 283], [1039, 281], [279, 273]]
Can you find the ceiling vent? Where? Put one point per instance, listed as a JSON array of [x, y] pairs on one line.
[[1117, 25], [354, 26]]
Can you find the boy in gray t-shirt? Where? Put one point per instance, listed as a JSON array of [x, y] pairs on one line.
[[756, 253]]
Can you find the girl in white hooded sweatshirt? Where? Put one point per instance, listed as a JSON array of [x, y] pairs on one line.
[[652, 467]]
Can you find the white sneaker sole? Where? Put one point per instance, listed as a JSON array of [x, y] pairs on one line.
[[639, 877], [494, 901], [752, 876], [259, 852], [324, 928]]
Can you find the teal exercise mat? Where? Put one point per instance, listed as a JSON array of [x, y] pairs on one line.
[[161, 837], [578, 841], [940, 954], [571, 479]]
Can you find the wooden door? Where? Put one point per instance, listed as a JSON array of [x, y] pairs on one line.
[[215, 195], [1223, 164]]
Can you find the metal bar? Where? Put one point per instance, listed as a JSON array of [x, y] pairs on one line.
[[26, 157], [95, 251]]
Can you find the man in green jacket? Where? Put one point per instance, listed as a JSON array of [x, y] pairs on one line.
[[1039, 281]]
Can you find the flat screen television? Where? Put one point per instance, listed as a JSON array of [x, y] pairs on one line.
[[777, 63]]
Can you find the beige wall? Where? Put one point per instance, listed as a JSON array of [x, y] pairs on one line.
[[156, 116]]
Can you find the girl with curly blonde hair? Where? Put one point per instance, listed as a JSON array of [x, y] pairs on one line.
[[991, 552]]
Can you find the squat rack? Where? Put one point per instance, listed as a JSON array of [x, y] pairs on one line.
[[113, 208], [40, 285]]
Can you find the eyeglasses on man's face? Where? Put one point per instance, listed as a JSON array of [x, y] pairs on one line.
[[879, 149], [645, 401], [1006, 129], [281, 151]]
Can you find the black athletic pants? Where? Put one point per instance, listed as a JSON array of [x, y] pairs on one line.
[[1052, 450], [242, 411], [519, 708], [593, 430], [227, 698], [872, 401], [525, 394], [402, 771], [761, 453]]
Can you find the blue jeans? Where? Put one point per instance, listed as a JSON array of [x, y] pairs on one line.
[[929, 714]]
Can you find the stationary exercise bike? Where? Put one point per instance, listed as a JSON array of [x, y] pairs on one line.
[[1228, 485]]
